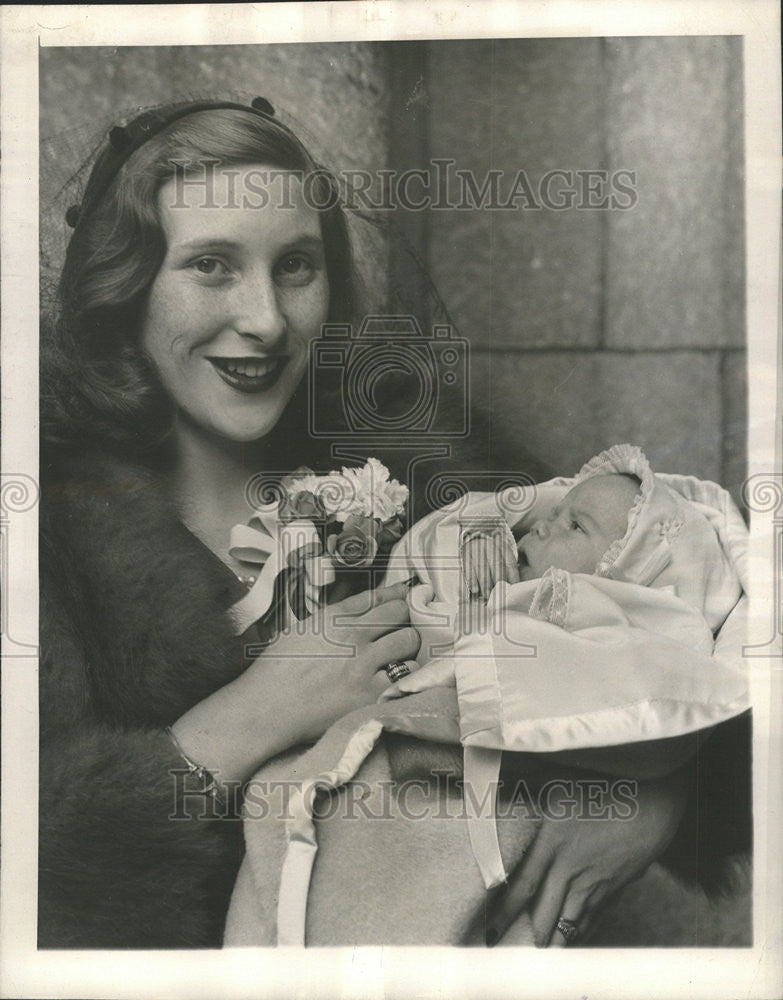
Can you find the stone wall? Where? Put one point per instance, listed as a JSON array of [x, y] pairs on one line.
[[594, 326]]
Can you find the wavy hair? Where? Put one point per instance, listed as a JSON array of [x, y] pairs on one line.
[[97, 383]]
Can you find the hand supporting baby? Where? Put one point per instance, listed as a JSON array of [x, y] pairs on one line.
[[486, 558]]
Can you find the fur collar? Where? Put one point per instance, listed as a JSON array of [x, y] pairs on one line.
[[146, 599]]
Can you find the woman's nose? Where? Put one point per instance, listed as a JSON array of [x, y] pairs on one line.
[[257, 313]]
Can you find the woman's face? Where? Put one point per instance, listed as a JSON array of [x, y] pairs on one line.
[[241, 292]]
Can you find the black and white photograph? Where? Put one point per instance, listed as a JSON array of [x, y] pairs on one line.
[[391, 502]]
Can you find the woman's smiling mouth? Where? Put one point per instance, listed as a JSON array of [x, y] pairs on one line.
[[250, 374]]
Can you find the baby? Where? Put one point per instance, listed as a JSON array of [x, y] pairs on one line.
[[603, 585], [572, 615], [574, 536]]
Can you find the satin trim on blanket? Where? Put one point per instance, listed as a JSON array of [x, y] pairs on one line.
[[300, 834], [482, 772]]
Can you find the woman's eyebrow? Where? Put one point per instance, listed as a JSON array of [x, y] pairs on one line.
[[305, 240], [216, 243]]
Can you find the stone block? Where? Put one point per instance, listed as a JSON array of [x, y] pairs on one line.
[[523, 276], [675, 271], [564, 407]]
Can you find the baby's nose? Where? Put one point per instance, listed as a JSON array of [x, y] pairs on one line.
[[541, 528]]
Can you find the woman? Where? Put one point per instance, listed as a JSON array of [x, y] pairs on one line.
[[173, 371]]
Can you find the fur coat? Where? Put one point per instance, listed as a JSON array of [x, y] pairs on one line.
[[133, 633]]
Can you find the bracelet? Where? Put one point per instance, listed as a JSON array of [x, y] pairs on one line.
[[210, 784]]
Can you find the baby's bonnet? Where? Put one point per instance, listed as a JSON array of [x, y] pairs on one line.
[[679, 535]]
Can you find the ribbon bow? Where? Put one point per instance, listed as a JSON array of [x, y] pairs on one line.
[[275, 545]]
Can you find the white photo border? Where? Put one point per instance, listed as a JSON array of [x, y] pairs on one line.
[[382, 972]]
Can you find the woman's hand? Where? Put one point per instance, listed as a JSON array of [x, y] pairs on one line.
[[334, 660], [321, 669], [472, 616], [574, 864], [436, 673]]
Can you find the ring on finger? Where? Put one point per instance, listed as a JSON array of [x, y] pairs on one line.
[[568, 929], [396, 670]]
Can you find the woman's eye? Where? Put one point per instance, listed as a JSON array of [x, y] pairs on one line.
[[295, 268], [210, 267]]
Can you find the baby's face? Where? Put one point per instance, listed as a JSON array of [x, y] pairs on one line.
[[580, 529]]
